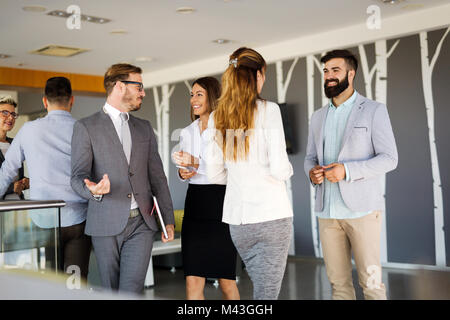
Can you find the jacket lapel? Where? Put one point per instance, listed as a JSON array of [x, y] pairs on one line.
[[134, 133], [354, 115], [320, 143]]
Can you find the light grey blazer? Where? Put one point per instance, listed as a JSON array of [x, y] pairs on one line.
[[96, 150], [368, 149]]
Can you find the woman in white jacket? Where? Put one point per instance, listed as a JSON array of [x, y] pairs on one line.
[[247, 147]]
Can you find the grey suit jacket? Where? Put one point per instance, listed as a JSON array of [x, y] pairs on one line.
[[96, 150], [368, 149]]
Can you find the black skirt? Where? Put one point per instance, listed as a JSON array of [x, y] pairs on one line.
[[206, 244]]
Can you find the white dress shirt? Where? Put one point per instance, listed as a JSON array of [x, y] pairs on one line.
[[194, 142], [4, 146], [256, 188], [114, 114]]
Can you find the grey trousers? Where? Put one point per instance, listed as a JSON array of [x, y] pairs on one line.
[[123, 259], [263, 248]]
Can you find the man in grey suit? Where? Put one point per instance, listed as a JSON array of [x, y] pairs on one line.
[[116, 166], [350, 147]]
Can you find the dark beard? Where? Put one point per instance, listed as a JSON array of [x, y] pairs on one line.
[[336, 90]]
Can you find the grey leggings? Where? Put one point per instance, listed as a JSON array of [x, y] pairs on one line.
[[263, 248]]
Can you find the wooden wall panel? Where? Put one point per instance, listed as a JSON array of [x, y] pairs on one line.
[[12, 77]]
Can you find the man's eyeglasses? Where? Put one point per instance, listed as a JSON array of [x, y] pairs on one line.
[[6, 113], [140, 84]]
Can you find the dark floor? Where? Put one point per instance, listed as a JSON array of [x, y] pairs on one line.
[[306, 279]]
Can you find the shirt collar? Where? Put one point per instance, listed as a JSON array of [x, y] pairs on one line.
[[113, 112], [349, 102], [59, 112]]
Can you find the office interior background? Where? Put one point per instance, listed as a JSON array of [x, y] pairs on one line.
[[403, 48]]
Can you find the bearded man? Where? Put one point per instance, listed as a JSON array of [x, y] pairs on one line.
[[351, 146]]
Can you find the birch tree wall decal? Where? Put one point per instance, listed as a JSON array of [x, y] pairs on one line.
[[427, 73], [188, 86], [282, 86], [312, 61], [162, 123], [379, 70]]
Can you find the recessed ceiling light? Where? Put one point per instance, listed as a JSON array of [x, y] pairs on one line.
[[413, 6], [221, 41], [144, 59], [118, 31], [4, 56], [34, 8], [185, 10], [391, 1]]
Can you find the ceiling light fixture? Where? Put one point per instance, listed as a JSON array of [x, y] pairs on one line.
[[58, 51], [185, 10], [144, 59], [118, 31], [64, 14], [34, 8], [391, 1], [413, 6], [221, 41]]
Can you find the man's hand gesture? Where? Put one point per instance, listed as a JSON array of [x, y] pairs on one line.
[[103, 187]]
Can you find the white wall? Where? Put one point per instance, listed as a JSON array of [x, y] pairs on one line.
[[408, 23]]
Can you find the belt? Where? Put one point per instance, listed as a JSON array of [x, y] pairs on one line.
[[134, 212]]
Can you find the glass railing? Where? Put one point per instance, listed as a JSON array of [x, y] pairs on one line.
[[29, 235]]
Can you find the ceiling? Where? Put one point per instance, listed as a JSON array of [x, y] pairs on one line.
[[156, 30]]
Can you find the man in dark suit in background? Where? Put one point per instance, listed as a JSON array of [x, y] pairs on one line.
[[116, 166]]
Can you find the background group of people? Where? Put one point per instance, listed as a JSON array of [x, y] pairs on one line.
[[234, 157]]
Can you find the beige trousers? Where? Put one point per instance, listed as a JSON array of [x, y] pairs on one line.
[[339, 237]]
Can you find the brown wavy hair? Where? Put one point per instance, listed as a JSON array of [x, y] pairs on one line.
[[235, 113], [118, 72], [212, 87]]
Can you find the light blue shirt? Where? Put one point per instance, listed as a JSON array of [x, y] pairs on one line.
[[334, 206], [45, 144]]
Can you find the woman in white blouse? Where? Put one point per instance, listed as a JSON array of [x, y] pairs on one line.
[[247, 147], [206, 245]]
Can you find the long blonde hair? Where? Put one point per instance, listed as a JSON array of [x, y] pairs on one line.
[[234, 116]]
